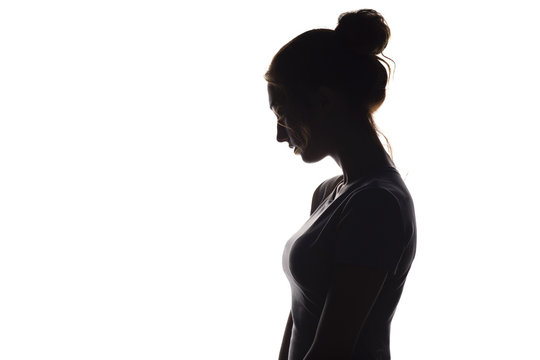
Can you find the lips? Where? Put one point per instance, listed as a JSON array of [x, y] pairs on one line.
[[295, 148]]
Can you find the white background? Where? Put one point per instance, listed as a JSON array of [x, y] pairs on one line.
[[144, 201]]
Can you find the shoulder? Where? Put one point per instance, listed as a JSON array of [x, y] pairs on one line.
[[372, 207], [328, 185], [383, 190], [323, 190], [372, 198]]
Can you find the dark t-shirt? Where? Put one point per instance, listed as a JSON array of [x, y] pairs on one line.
[[370, 223]]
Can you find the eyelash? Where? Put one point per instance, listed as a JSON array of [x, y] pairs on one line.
[[280, 118], [280, 122]]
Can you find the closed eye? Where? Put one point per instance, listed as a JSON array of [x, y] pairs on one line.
[[281, 122]]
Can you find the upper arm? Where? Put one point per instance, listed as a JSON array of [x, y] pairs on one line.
[[349, 300], [370, 232]]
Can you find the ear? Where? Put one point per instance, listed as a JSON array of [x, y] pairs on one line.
[[326, 99]]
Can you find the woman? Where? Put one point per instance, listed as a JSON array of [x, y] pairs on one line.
[[347, 265]]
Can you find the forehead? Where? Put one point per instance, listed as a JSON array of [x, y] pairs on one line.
[[275, 96]]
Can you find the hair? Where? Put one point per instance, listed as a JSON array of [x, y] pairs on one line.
[[346, 60]]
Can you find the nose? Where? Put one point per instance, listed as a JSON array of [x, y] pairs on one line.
[[282, 135]]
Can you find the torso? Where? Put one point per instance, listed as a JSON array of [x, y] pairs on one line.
[[309, 257]]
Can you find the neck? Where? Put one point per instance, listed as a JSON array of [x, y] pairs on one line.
[[360, 155]]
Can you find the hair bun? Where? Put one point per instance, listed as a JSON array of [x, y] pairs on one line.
[[365, 30]]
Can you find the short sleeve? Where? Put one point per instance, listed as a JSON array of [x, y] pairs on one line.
[[370, 231]]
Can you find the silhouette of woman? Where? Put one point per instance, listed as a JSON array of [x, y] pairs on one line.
[[348, 263]]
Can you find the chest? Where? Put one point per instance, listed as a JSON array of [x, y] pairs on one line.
[[308, 254]]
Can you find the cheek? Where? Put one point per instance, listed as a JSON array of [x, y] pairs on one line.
[[298, 133]]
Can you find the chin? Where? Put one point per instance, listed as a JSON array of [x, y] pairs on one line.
[[311, 158]]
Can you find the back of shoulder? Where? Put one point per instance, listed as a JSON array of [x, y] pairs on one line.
[[384, 192], [388, 187], [373, 201], [389, 199]]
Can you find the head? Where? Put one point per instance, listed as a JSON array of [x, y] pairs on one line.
[[324, 75]]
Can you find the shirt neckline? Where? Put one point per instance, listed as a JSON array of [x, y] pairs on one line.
[[334, 194]]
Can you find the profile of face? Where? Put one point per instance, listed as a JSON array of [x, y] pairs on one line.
[[289, 130]]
